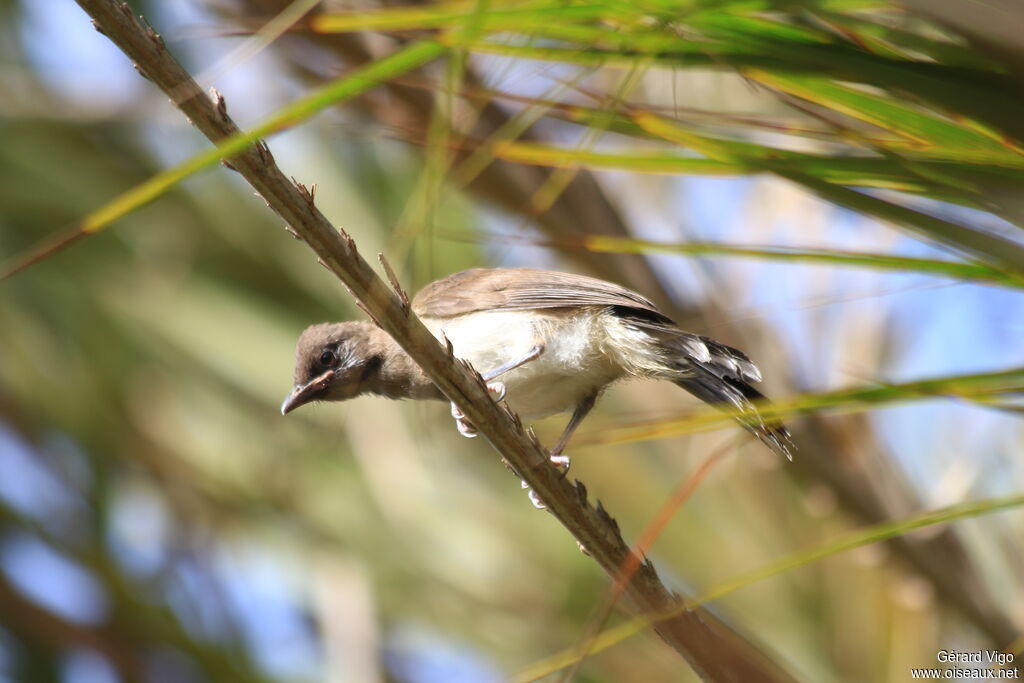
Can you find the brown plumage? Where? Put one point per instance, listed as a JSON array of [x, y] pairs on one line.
[[482, 289], [555, 339]]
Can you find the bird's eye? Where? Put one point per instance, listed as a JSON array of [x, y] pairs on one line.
[[327, 358]]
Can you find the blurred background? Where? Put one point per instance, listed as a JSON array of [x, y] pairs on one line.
[[160, 521]]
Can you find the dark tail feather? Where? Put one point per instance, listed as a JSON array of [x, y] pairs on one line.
[[729, 393], [719, 375]]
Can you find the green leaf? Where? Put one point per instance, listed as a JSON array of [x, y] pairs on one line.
[[873, 172], [983, 96], [449, 16], [900, 264], [849, 541], [992, 249], [980, 94], [855, 399], [887, 113], [350, 86]]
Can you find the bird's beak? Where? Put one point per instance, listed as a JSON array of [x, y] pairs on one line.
[[304, 393]]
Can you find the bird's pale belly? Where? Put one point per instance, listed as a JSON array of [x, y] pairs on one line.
[[572, 365], [533, 398]]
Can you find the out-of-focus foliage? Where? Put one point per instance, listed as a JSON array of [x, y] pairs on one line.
[[159, 521]]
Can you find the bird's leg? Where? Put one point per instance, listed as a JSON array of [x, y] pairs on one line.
[[495, 389], [584, 407], [557, 459], [532, 354]]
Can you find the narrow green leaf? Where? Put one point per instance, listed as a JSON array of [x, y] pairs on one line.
[[983, 95], [887, 113], [727, 151], [642, 161], [879, 35], [989, 161], [849, 541], [855, 399], [987, 98], [607, 36], [766, 29], [991, 249], [350, 86], [875, 172], [448, 16], [900, 264]]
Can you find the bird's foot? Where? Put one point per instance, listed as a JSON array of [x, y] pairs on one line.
[[534, 498], [464, 426], [497, 392], [561, 462]]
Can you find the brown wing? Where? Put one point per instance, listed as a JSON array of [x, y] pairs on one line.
[[525, 288]]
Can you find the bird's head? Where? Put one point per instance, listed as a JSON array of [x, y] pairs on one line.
[[335, 362]]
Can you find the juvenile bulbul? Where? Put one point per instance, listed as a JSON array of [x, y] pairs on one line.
[[555, 339]]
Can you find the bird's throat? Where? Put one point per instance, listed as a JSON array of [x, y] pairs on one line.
[[398, 375]]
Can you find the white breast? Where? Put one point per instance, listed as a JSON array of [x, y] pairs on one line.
[[577, 358]]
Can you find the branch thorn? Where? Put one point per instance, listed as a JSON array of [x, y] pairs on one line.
[[403, 298]]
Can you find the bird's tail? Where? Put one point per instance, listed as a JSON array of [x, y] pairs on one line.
[[721, 376]]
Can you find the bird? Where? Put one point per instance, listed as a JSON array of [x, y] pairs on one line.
[[544, 341]]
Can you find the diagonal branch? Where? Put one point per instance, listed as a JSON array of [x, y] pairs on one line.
[[715, 651]]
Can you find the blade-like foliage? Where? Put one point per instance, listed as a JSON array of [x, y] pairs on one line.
[[344, 88], [856, 399], [849, 541], [974, 272], [915, 113]]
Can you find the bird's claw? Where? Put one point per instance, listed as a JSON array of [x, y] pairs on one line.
[[534, 498], [496, 390], [561, 462], [464, 426]]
